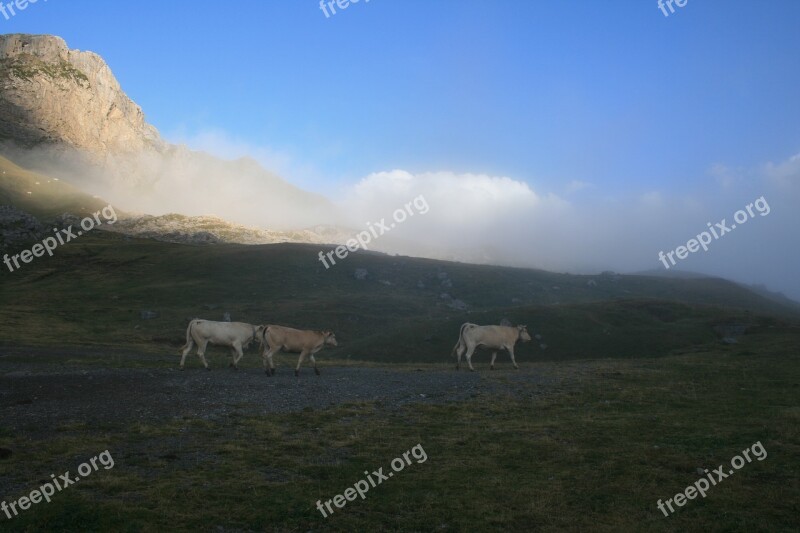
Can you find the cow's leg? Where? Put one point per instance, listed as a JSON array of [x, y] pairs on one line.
[[511, 353], [201, 352], [233, 357], [316, 370], [300, 361], [186, 350], [470, 351], [267, 356], [238, 354], [494, 356], [459, 352]]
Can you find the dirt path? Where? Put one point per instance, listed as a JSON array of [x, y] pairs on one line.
[[39, 398]]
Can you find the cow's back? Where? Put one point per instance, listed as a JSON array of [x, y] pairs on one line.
[[291, 338], [491, 335], [222, 331]]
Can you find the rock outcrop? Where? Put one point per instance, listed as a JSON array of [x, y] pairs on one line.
[[63, 114], [51, 94]]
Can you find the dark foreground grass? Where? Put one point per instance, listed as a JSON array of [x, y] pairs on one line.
[[594, 453]]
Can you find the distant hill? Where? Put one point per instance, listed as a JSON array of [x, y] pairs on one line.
[[42, 196], [383, 308]]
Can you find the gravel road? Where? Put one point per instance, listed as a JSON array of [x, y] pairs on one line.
[[40, 397]]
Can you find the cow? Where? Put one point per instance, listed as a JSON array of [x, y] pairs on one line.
[[290, 340], [236, 335], [472, 336]]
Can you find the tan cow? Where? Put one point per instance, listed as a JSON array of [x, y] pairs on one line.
[[237, 335], [495, 338], [290, 340]]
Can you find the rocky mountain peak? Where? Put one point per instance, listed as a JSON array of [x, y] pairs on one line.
[[51, 94]]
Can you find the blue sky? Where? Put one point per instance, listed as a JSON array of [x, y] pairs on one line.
[[628, 130], [610, 93]]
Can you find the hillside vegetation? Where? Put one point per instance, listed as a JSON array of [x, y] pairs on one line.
[[94, 290], [42, 196]]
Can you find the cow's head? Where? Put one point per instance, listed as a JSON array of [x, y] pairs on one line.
[[524, 336], [330, 338]]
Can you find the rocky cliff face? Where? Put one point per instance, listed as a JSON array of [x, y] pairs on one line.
[[51, 94], [63, 114]]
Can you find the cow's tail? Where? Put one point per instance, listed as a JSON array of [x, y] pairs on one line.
[[188, 336], [460, 338]]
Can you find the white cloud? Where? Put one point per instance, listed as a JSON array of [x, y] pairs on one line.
[[785, 173]]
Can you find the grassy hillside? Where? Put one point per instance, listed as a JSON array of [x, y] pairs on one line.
[[42, 196], [93, 291]]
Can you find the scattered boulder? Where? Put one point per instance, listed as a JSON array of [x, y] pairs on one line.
[[591, 283], [226, 317], [17, 227], [458, 304], [149, 315], [360, 274]]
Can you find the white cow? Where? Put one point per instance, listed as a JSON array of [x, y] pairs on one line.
[[496, 338], [237, 335]]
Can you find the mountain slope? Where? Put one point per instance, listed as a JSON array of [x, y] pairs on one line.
[[92, 292], [42, 196], [64, 114]]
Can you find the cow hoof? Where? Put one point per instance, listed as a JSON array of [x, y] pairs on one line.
[[267, 372], [491, 368], [209, 369], [297, 373], [181, 369], [272, 372], [316, 371], [472, 370]]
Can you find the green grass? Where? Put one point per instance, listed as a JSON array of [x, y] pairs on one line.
[[92, 291], [594, 452], [28, 67], [48, 197]]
